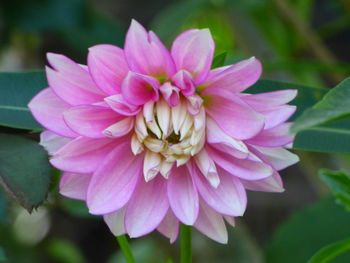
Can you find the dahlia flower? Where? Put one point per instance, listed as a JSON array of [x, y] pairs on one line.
[[150, 137]]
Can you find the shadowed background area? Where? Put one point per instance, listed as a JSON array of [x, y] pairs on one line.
[[300, 41]]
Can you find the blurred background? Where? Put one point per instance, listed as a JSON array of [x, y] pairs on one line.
[[299, 41]]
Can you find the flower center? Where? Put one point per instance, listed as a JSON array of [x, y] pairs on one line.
[[168, 135]]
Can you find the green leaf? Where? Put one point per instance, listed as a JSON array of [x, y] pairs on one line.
[[334, 105], [307, 96], [339, 182], [24, 170], [306, 231], [329, 138], [329, 252], [219, 60], [16, 90]]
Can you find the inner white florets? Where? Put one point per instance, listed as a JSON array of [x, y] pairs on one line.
[[168, 135]]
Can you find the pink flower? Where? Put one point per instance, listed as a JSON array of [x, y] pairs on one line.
[[151, 138]]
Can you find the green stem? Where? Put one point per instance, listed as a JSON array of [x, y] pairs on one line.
[[186, 244], [124, 246]]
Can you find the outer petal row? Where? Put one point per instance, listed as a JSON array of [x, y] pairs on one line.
[[146, 54], [193, 51]]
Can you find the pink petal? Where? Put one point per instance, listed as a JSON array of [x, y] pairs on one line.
[[184, 81], [120, 128], [108, 67], [170, 94], [74, 185], [218, 139], [91, 120], [147, 207], [119, 105], [183, 195], [217, 71], [193, 51], [194, 104], [266, 100], [115, 222], [245, 169], [211, 224], [277, 115], [114, 181], [138, 89], [237, 77], [274, 137], [71, 81], [232, 114], [169, 227], [83, 155], [146, 54], [230, 220], [272, 183], [52, 142], [48, 110], [207, 168], [280, 158], [228, 198]]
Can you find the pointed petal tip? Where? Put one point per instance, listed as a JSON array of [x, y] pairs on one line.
[[54, 58]]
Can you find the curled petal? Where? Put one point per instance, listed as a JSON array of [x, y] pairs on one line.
[[277, 115], [146, 54], [272, 183], [48, 110], [71, 81], [163, 117], [108, 67], [178, 116], [83, 155], [211, 224], [151, 165], [237, 77], [136, 146], [274, 137], [230, 220], [52, 142], [194, 104], [222, 141], [207, 167], [232, 114], [169, 227], [170, 94], [91, 120], [119, 105], [193, 51], [228, 198], [110, 189], [140, 127], [165, 168], [183, 195], [267, 100], [138, 89], [147, 207], [280, 158], [245, 169], [115, 222], [120, 128], [184, 81], [74, 185]]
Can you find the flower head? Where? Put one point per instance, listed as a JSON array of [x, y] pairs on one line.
[[150, 138]]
